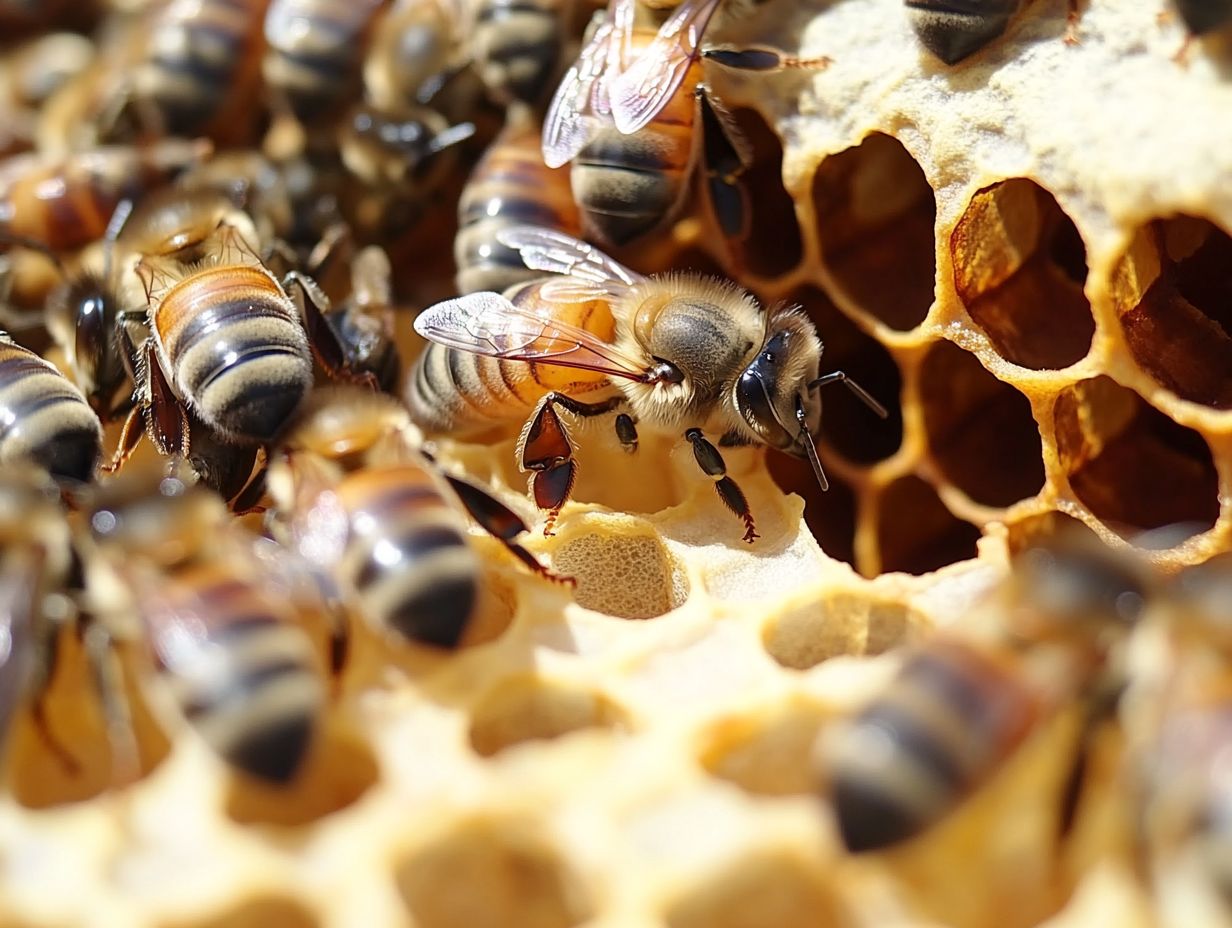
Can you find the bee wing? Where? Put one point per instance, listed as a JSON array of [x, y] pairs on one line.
[[580, 105], [640, 91], [488, 324], [548, 250]]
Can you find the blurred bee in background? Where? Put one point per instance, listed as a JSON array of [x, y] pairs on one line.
[[685, 355], [44, 419], [954, 29], [509, 186], [19, 18], [517, 47], [352, 493], [959, 708], [240, 666], [30, 75]]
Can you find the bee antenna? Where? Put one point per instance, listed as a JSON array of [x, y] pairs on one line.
[[863, 395], [115, 226], [806, 439]]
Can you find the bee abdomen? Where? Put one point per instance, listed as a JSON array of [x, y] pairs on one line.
[[253, 692], [410, 566], [518, 46], [947, 722], [454, 391], [626, 186], [954, 29], [45, 418]]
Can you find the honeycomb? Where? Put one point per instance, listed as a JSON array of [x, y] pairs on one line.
[[1027, 258]]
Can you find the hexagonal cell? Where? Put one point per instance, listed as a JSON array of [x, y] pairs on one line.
[[256, 913], [528, 708], [629, 576], [1173, 293], [980, 431], [1019, 269], [773, 246], [875, 216], [768, 753], [339, 769], [916, 533], [830, 515], [1131, 465], [770, 888], [842, 623], [848, 426], [491, 874]]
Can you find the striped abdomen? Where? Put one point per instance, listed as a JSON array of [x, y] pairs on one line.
[[947, 722], [509, 186], [315, 52], [203, 68], [453, 391], [407, 562], [628, 185], [44, 418], [517, 47], [235, 350], [250, 685]]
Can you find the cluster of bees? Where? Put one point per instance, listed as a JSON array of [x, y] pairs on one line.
[[1077, 628]]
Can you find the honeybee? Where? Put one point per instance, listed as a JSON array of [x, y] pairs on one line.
[[635, 116], [398, 149], [225, 344], [44, 419], [239, 663], [363, 323], [958, 709], [516, 46], [510, 185], [201, 70], [29, 76], [65, 202], [685, 355], [417, 56], [954, 29], [353, 494], [1204, 16]]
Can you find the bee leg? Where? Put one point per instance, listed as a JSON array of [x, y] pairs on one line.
[[130, 437], [166, 419], [762, 58], [545, 450], [502, 523], [626, 432], [726, 156], [711, 462], [45, 670], [326, 348], [1072, 15], [109, 684]]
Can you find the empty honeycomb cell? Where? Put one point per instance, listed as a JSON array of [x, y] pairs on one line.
[[830, 514], [773, 245], [491, 874], [847, 425], [768, 753], [1019, 269], [256, 913], [528, 708], [1027, 532], [1173, 293], [916, 533], [981, 433], [338, 770], [1129, 464], [622, 574], [769, 888], [843, 623], [875, 214]]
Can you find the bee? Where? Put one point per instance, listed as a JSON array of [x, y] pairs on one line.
[[238, 660], [354, 494], [363, 323], [958, 709], [954, 29], [30, 75], [516, 47], [1204, 16], [399, 149], [416, 56], [225, 344], [65, 202], [635, 117], [510, 185], [200, 71], [44, 419], [683, 354]]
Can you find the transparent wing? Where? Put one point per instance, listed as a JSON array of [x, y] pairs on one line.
[[544, 249], [580, 105], [640, 91], [488, 324]]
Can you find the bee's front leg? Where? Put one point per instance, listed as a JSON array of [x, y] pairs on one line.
[[711, 462]]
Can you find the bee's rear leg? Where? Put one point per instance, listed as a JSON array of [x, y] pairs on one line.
[[502, 523], [762, 58], [546, 451], [48, 659], [711, 462]]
